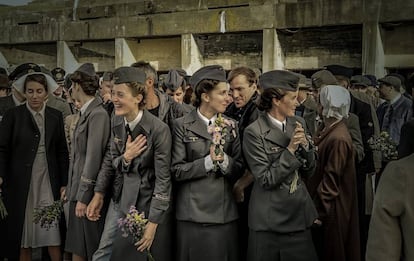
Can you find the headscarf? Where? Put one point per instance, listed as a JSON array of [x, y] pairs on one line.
[[335, 101]]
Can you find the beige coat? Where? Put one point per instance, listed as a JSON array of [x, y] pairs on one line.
[[391, 233]]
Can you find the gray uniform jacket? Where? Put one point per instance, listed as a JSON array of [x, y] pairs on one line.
[[272, 207], [203, 197], [147, 179], [88, 149]]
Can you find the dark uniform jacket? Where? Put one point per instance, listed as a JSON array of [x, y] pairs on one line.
[[406, 146], [19, 140], [5, 104], [203, 197], [90, 139], [272, 207]]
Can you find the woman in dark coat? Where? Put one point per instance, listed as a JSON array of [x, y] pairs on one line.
[[333, 187], [90, 138], [206, 211], [33, 168], [279, 154]]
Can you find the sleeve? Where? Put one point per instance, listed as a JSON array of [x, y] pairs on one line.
[[160, 201], [106, 173], [95, 150], [385, 237], [268, 174], [356, 135], [6, 133], [62, 153]]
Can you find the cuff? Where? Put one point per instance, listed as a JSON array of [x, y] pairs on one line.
[[208, 163]]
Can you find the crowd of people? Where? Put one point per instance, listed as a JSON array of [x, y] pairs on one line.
[[233, 165]]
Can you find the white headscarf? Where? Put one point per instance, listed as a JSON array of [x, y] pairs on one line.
[[335, 101], [51, 83]]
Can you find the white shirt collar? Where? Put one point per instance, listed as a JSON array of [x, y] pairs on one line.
[[42, 111], [276, 122], [134, 123], [205, 119], [85, 106]]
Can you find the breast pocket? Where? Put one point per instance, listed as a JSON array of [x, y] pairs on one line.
[[195, 147], [273, 153]]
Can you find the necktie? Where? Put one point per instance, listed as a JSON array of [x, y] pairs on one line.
[[128, 130], [283, 127], [39, 120]]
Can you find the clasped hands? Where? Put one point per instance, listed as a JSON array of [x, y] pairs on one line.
[[298, 138]]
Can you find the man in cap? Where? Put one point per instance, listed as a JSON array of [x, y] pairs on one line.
[[396, 110], [105, 89], [174, 85], [308, 107], [5, 87], [59, 77]]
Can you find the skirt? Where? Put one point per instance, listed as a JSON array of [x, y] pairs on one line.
[[207, 242]]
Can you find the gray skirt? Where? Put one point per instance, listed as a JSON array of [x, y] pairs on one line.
[[206, 242]]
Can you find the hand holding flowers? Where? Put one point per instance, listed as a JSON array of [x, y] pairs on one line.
[[385, 144], [136, 226]]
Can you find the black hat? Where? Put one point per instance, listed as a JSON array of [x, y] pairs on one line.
[[3, 71], [337, 69], [279, 79], [4, 81], [210, 72], [372, 79], [23, 69], [173, 80], [88, 69], [129, 74], [360, 80], [322, 78], [58, 74], [391, 80], [107, 76]]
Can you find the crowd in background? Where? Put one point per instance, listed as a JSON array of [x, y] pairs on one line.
[[233, 165]]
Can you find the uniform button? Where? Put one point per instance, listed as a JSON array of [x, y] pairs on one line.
[[37, 136]]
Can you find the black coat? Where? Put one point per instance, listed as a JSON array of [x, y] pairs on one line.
[[406, 146], [19, 139]]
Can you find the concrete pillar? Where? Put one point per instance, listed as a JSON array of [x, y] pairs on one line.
[[3, 61], [65, 57], [272, 57], [191, 57], [373, 57], [123, 53]]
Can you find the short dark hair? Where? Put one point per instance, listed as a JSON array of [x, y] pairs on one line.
[[147, 68], [39, 78], [266, 98], [89, 84], [242, 70], [137, 89], [205, 86]]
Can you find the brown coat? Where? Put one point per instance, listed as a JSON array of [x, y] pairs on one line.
[[333, 189]]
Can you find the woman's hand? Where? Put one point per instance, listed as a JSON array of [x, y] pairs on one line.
[[216, 157], [94, 207], [80, 209], [298, 137], [134, 148], [148, 237], [63, 193]]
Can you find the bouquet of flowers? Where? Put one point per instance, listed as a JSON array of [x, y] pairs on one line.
[[133, 225], [219, 130], [385, 144], [49, 216], [3, 210]]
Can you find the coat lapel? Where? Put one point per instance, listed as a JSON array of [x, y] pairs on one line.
[[273, 133], [48, 126], [196, 125], [119, 132]]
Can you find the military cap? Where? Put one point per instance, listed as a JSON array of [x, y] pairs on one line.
[[391, 80], [337, 69], [304, 83], [210, 72], [173, 80], [107, 76], [23, 69], [372, 79], [360, 80], [4, 81], [128, 74], [88, 69], [279, 79], [323, 77], [184, 74], [3, 71], [399, 76], [58, 74], [68, 82]]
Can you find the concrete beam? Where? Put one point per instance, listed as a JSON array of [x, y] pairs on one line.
[[191, 58], [273, 57], [123, 53], [65, 58]]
